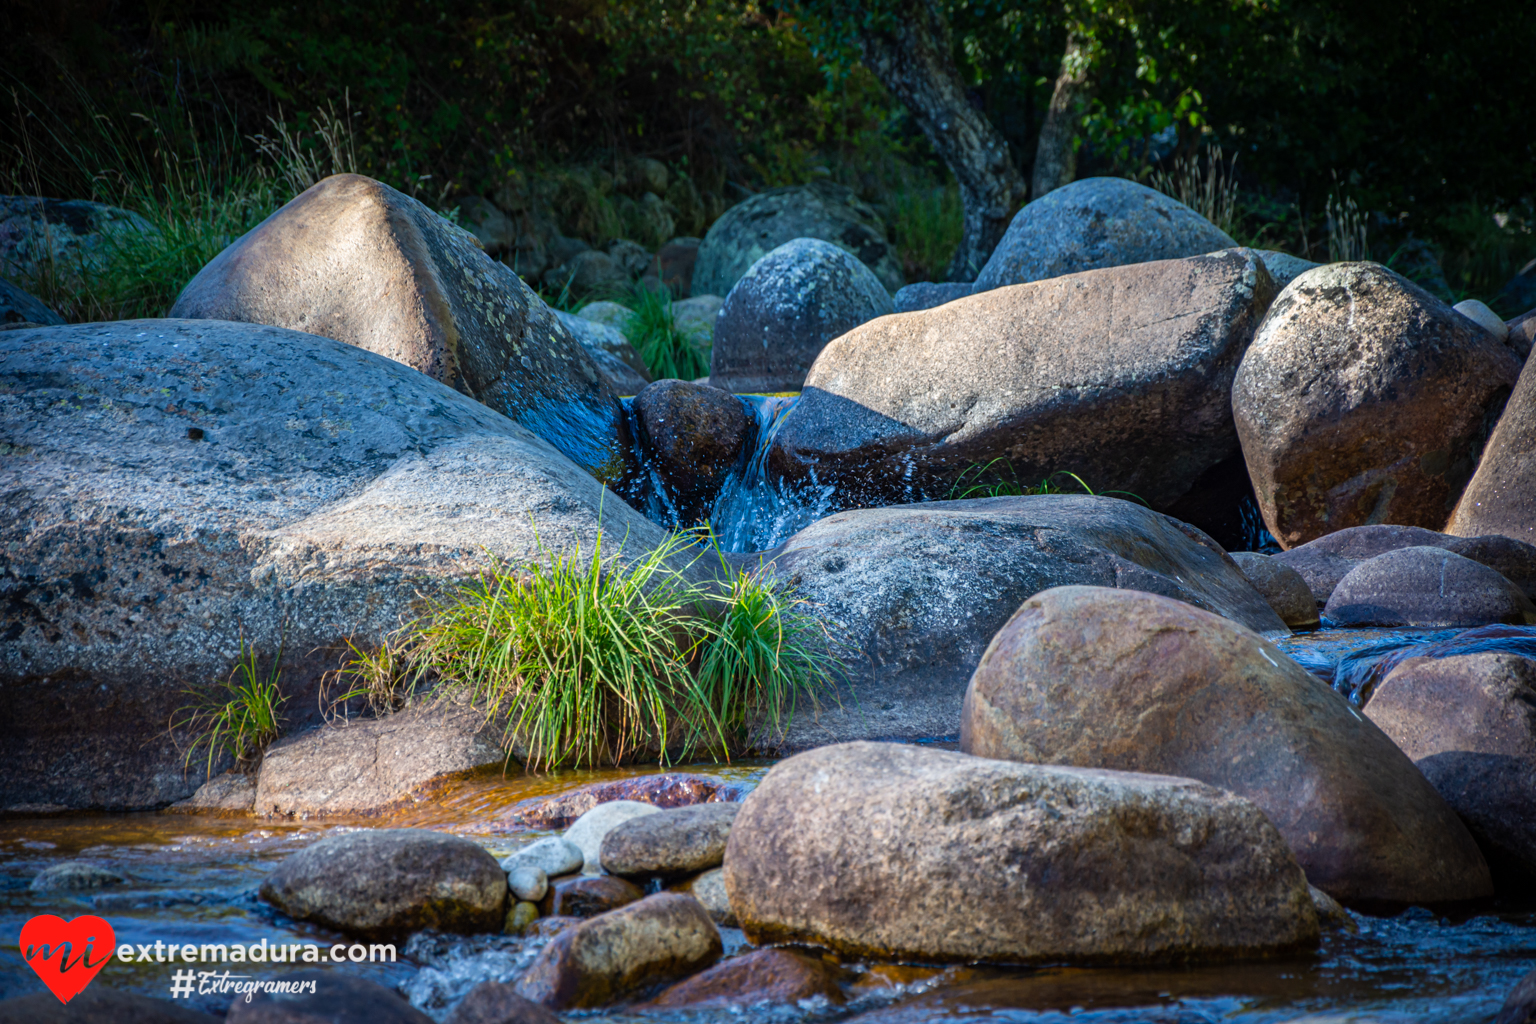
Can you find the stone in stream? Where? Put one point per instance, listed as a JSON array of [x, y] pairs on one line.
[[549, 927], [553, 855], [1520, 1005], [233, 792], [388, 883], [18, 307], [519, 918], [1426, 586], [497, 1002], [692, 436], [352, 259], [1122, 376], [74, 876], [228, 481], [612, 352], [751, 229], [1328, 559], [588, 831], [1480, 314], [528, 882], [1501, 497], [903, 852], [99, 1004], [915, 593], [1283, 587], [616, 955], [785, 309], [368, 765], [709, 889], [682, 841], [1100, 678], [1364, 399], [1522, 333], [333, 998], [664, 789], [587, 896], [1469, 723], [762, 976]]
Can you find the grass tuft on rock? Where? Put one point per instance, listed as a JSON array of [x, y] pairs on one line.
[[240, 717]]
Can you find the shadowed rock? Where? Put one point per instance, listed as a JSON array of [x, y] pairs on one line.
[[1328, 559], [761, 976], [333, 998], [497, 1002], [100, 1005], [1501, 497], [1283, 587], [1426, 586], [692, 436]]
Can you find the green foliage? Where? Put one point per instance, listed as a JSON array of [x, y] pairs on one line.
[[587, 660], [925, 226], [1204, 183], [240, 717], [667, 351], [998, 479]]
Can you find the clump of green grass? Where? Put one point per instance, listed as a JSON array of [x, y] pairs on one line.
[[667, 351], [241, 716], [588, 660], [926, 223], [987, 480]]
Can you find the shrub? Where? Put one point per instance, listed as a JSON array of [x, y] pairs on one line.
[[667, 351], [240, 717], [925, 223]]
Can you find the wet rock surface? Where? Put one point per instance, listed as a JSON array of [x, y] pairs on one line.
[[1108, 679], [1363, 399], [1122, 376], [709, 889], [827, 848], [1501, 497], [616, 955], [587, 896], [761, 976], [174, 486], [588, 831], [917, 591], [692, 436], [785, 309], [391, 882], [99, 1005], [497, 1002], [1095, 223], [1426, 586], [683, 841], [665, 789], [354, 260], [1328, 559], [1283, 587], [336, 998], [233, 792], [1469, 723], [367, 765], [751, 229], [75, 876]]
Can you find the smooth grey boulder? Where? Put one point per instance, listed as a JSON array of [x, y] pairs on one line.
[[661, 938], [234, 792], [1328, 559], [1469, 724], [928, 294], [1136, 682], [784, 310], [352, 259], [1095, 223], [388, 883], [1284, 267], [18, 307], [553, 855], [173, 486], [1426, 586], [680, 841], [587, 833], [1122, 376], [1283, 587], [709, 889], [1364, 399], [527, 882], [368, 765], [751, 229], [75, 875], [59, 237], [1501, 496], [910, 853], [915, 593], [1480, 314]]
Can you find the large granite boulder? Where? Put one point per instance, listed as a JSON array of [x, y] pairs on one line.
[[785, 309], [171, 486], [1101, 678], [1328, 559], [1469, 723], [905, 852], [1364, 399], [354, 260], [755, 227], [370, 765], [1121, 376], [916, 592], [388, 883], [60, 237], [1501, 497], [1426, 586], [610, 350], [18, 307]]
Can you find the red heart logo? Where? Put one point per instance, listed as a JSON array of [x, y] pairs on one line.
[[64, 953]]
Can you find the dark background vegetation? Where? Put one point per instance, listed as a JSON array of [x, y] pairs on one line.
[[1418, 110]]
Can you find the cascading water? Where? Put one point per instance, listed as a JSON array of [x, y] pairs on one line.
[[752, 510]]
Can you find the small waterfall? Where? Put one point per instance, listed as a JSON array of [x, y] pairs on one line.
[[752, 511]]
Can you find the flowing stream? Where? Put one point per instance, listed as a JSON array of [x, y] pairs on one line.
[[193, 879]]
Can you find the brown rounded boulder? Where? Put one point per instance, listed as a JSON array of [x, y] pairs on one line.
[[693, 436], [1328, 559], [1426, 586], [1502, 495], [1101, 678], [762, 976], [683, 841], [1283, 587], [1363, 399]]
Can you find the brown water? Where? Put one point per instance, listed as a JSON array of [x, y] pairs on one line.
[[193, 878]]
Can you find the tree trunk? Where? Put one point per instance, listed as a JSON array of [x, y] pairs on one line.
[[913, 60], [1055, 154]]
